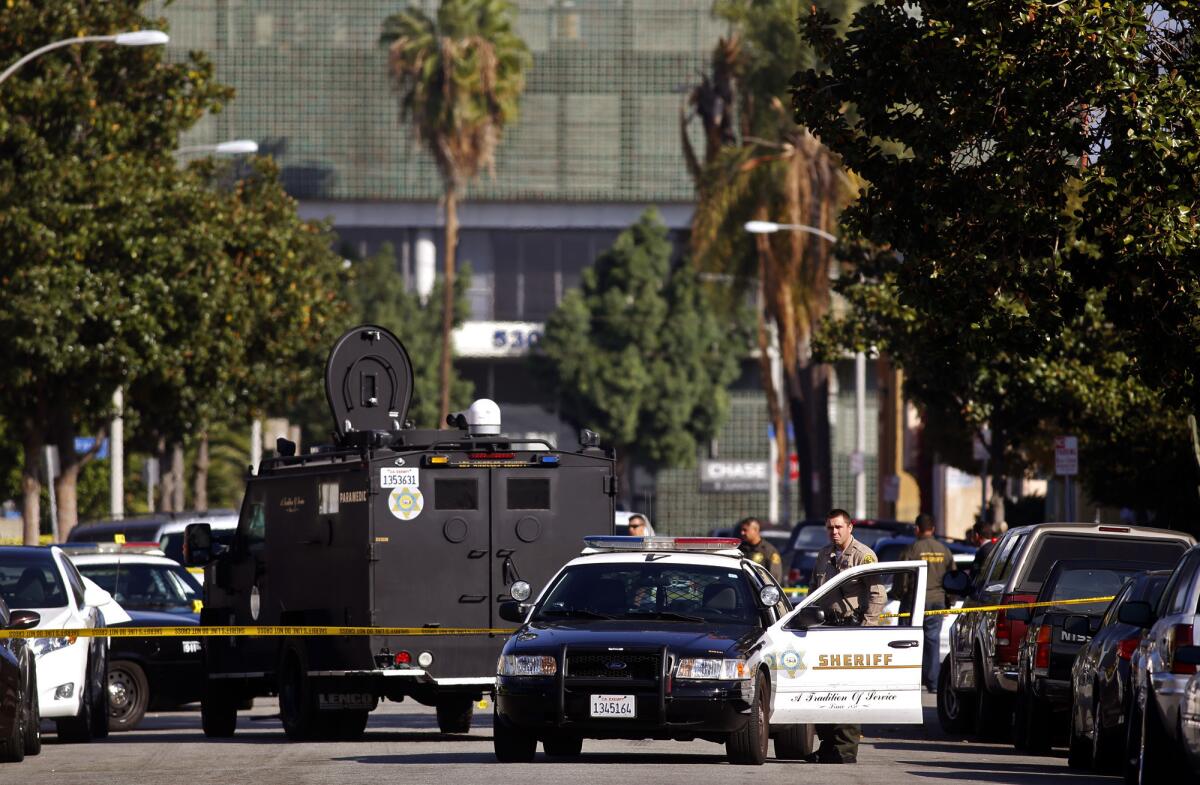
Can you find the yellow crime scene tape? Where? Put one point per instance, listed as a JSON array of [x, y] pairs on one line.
[[294, 631], [988, 608]]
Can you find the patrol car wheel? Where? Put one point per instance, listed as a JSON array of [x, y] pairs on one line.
[[128, 695], [100, 699], [563, 746], [297, 701], [748, 746], [12, 750], [1037, 725], [218, 712], [794, 742], [454, 715], [512, 744], [955, 709]]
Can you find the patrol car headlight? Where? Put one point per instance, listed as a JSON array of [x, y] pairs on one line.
[[525, 665], [703, 668], [43, 646]]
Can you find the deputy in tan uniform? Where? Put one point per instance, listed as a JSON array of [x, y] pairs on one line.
[[757, 549], [859, 604], [939, 560]]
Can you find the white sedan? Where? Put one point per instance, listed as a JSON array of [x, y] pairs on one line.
[[71, 672]]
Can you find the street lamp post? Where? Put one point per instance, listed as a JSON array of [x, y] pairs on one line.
[[116, 477], [860, 374], [232, 147], [135, 38]]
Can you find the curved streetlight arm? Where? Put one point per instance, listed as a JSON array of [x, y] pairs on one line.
[[770, 227], [136, 38]]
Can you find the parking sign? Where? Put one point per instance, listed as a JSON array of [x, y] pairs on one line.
[[1066, 456]]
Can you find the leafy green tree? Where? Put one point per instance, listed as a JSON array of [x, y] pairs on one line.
[[638, 354], [119, 268], [1028, 164], [759, 165], [377, 295], [459, 77]]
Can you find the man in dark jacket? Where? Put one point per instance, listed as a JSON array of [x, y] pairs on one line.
[[939, 560], [758, 549]]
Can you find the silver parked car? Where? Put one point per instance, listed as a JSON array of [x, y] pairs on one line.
[[1159, 677]]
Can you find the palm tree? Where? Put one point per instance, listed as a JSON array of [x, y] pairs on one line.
[[759, 165], [459, 77]]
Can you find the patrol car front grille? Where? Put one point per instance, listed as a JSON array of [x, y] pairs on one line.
[[615, 665]]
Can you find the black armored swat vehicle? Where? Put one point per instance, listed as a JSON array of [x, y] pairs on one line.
[[390, 527]]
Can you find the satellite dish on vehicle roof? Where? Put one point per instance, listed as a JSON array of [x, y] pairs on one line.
[[368, 381]]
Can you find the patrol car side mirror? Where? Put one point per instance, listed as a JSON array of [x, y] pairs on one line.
[[23, 620], [1139, 614], [197, 544], [511, 610], [956, 583], [808, 617]]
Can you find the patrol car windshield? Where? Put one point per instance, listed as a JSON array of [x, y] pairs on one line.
[[146, 587], [649, 590]]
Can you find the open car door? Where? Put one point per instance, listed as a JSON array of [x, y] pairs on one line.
[[822, 672]]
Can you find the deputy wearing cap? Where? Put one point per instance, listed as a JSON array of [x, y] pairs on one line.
[[940, 561], [860, 604], [757, 549]]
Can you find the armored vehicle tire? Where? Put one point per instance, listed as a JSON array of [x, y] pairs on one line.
[[512, 744], [344, 725], [562, 745], [454, 714], [129, 695], [956, 710], [33, 726], [297, 700], [748, 746], [794, 742], [218, 712]]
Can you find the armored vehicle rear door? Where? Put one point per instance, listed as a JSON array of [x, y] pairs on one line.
[[540, 517], [431, 544]]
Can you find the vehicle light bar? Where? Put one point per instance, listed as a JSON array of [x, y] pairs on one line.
[[614, 542], [82, 548]]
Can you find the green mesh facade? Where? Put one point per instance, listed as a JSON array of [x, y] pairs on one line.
[[599, 118]]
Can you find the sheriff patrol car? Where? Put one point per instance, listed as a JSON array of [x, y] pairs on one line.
[[684, 638]]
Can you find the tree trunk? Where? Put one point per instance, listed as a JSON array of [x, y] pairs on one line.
[[177, 482], [166, 479], [999, 478], [448, 300], [31, 487], [624, 472], [200, 478], [66, 487], [810, 418]]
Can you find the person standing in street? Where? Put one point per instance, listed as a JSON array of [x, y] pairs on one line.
[[637, 525], [757, 549], [939, 560], [860, 608], [983, 539]]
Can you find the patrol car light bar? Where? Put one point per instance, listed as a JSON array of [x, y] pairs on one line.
[[82, 548], [621, 543]]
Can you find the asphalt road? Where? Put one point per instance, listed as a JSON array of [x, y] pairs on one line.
[[402, 745]]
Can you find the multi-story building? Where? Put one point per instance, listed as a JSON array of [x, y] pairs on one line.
[[597, 142]]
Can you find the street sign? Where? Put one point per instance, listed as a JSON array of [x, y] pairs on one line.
[[734, 476], [857, 463], [1066, 456], [891, 488]]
